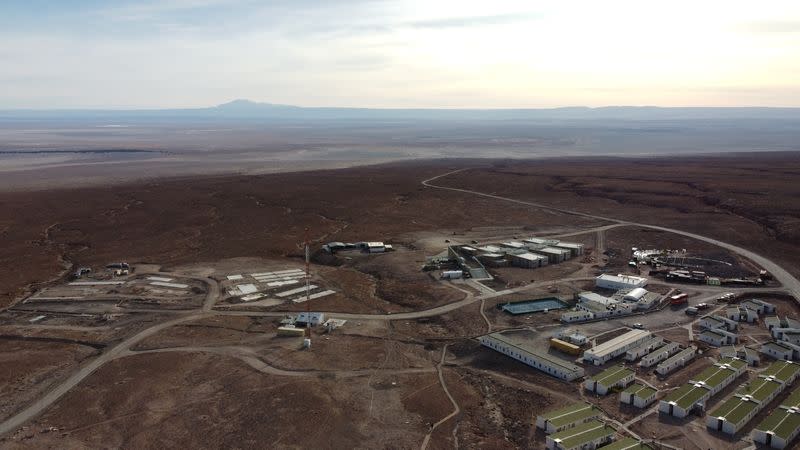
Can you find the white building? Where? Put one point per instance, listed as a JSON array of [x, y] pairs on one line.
[[620, 281], [643, 349], [568, 417], [314, 318], [713, 322], [741, 314], [528, 260], [635, 295], [778, 350], [532, 355], [575, 249], [606, 351], [602, 383], [602, 306], [659, 354], [589, 435], [676, 361], [577, 316], [553, 254], [638, 395], [718, 337]]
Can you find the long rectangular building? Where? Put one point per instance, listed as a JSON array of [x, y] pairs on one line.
[[660, 354], [608, 350], [676, 361], [591, 434], [780, 428], [617, 376], [568, 417], [532, 355], [735, 412], [696, 392]]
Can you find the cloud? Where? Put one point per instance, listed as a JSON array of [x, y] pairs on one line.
[[772, 26], [476, 21]]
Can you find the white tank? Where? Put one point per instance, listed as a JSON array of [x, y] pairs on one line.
[[306, 343]]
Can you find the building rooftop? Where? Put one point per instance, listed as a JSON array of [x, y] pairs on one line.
[[582, 433], [782, 423], [686, 395], [781, 370], [629, 279], [614, 344], [759, 389], [713, 376], [734, 409], [568, 245], [571, 414], [640, 390], [678, 356], [612, 375], [529, 256], [712, 333], [627, 444], [526, 346], [792, 401]]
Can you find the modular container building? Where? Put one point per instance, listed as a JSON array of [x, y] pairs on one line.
[[778, 350], [643, 349], [608, 379], [676, 361], [638, 395], [627, 444], [782, 426], [574, 249], [718, 338], [751, 398], [606, 351], [695, 393], [617, 282], [530, 354], [528, 260], [660, 354], [589, 435], [568, 417], [553, 254]]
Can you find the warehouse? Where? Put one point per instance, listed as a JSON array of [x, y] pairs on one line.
[[569, 417], [528, 260], [602, 306], [638, 395], [553, 254], [575, 249], [660, 354], [606, 351], [643, 349], [628, 444], [677, 361], [735, 412], [718, 338], [782, 426], [608, 379], [617, 282], [532, 355], [591, 434], [778, 350]]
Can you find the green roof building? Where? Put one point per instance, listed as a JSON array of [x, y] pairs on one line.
[[569, 417], [591, 434]]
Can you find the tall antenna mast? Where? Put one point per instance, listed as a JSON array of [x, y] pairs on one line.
[[308, 289]]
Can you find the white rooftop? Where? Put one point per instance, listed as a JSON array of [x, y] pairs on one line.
[[619, 341]]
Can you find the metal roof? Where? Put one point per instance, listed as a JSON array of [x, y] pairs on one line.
[[534, 350], [614, 344]]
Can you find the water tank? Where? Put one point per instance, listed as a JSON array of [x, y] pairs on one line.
[[306, 343]]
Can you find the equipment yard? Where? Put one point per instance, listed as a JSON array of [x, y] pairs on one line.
[[213, 340]]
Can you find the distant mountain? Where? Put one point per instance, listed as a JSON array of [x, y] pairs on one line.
[[242, 109]]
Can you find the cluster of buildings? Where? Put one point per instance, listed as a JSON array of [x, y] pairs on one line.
[[786, 338], [528, 253], [579, 426], [752, 397], [694, 394], [630, 296], [783, 425], [718, 330]]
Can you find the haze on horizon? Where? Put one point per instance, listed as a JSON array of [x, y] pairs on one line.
[[409, 53]]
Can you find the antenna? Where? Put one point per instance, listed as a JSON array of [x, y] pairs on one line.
[[308, 289]]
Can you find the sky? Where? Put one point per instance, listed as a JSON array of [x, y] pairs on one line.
[[405, 53]]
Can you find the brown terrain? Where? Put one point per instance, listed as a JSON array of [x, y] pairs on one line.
[[197, 367]]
